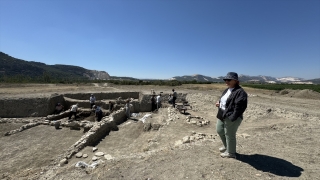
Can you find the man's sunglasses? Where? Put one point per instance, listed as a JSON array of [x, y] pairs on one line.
[[227, 80]]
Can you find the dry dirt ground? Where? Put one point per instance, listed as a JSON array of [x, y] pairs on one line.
[[279, 138]]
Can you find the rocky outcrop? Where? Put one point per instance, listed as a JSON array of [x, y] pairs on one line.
[[99, 75]]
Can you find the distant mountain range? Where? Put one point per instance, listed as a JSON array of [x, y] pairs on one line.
[[247, 78], [10, 66]]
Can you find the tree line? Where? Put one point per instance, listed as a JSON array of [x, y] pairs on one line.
[[47, 78]]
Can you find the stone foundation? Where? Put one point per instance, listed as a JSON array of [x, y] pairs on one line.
[[97, 132], [102, 95], [43, 106]]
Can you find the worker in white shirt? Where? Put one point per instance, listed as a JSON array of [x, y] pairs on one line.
[[127, 106], [92, 100], [73, 111], [159, 101]]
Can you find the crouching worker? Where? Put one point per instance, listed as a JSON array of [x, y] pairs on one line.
[[73, 111], [153, 103], [170, 99], [59, 109], [98, 112], [111, 106]]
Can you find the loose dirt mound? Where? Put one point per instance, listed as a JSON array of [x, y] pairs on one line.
[[305, 93]]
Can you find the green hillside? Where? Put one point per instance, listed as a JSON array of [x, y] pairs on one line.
[[11, 66], [18, 70]]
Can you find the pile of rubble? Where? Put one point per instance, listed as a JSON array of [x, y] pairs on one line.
[[197, 120], [172, 114], [195, 137]]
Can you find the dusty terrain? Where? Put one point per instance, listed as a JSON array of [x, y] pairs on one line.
[[278, 139]]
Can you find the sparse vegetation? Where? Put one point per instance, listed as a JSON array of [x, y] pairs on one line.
[[48, 78], [279, 87]]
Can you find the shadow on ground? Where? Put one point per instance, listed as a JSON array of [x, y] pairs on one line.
[[270, 164]]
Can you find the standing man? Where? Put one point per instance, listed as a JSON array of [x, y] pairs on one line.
[[153, 103], [158, 101], [127, 107], [232, 104], [92, 100], [170, 99], [174, 97], [73, 111]]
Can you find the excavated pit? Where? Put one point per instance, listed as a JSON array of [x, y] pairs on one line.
[[168, 145], [31, 140]]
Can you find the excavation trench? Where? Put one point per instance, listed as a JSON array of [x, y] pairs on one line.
[[49, 144]]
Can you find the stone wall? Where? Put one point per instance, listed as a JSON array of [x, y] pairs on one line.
[[103, 95], [145, 103], [97, 132]]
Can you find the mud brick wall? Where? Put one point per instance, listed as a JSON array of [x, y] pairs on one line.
[[145, 103], [27, 107]]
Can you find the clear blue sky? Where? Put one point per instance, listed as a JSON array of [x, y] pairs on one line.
[[165, 38]]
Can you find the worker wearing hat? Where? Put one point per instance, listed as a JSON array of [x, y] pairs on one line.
[[98, 112], [92, 100]]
